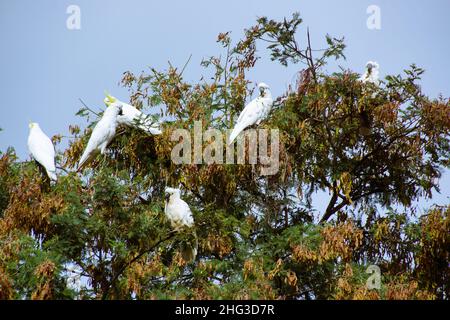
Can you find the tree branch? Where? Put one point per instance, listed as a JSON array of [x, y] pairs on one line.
[[126, 265]]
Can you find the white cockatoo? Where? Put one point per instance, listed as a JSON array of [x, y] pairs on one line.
[[180, 216], [371, 74], [104, 131], [254, 112], [134, 117], [42, 149], [73, 277]]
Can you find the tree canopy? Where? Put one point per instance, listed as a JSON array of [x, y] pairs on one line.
[[375, 149]]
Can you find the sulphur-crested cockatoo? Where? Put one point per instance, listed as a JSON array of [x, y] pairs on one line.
[[73, 277], [42, 149], [133, 117], [254, 112], [104, 131], [371, 74], [180, 216]]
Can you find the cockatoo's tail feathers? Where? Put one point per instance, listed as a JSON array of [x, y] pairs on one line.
[[236, 131], [82, 162], [52, 175]]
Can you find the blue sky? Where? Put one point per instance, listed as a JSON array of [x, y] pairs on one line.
[[46, 67]]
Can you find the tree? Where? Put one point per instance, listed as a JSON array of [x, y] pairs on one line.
[[374, 149]]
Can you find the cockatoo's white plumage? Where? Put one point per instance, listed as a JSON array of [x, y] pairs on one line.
[[134, 117], [254, 112], [73, 277], [42, 149], [371, 74], [177, 210], [104, 131], [180, 217]]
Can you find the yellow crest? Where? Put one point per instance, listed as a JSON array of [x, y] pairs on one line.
[[109, 99]]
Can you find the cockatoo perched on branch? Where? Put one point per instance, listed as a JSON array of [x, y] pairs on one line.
[[42, 149], [254, 112], [133, 117], [180, 217], [371, 74], [73, 279], [104, 131]]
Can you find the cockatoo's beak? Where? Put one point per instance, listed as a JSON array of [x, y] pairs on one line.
[[167, 197]]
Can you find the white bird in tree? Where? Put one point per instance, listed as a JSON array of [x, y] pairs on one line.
[[73, 278], [42, 149], [104, 131], [254, 112], [134, 117], [180, 216], [371, 74]]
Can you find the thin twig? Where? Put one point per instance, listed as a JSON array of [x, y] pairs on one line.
[[185, 65], [84, 104], [311, 60]]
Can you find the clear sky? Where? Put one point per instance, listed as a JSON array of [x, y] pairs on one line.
[[45, 67]]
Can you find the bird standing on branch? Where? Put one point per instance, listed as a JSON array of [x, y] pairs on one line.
[[254, 112], [133, 117], [371, 74], [42, 149], [180, 217], [104, 131]]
